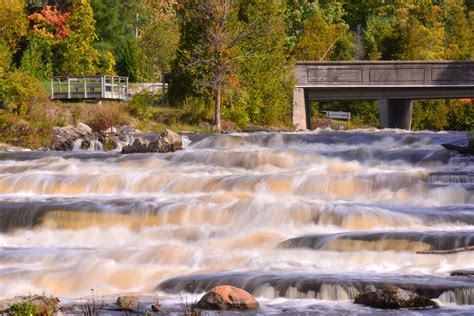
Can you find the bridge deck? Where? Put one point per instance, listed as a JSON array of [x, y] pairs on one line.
[[89, 87]]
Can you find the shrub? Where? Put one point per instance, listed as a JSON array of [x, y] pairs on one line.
[[195, 110], [17, 89], [103, 116], [142, 105], [24, 309]]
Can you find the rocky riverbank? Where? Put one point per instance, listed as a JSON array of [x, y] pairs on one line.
[[124, 140]]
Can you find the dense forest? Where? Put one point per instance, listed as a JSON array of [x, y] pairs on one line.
[[233, 58]]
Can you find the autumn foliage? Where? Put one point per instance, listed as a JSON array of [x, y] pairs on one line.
[[50, 22]]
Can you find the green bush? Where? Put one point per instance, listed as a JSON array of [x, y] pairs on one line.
[[196, 110], [17, 90], [460, 117], [24, 309], [142, 105]]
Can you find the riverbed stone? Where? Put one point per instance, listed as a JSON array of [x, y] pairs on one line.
[[129, 303], [168, 141], [226, 297], [391, 297], [83, 129]]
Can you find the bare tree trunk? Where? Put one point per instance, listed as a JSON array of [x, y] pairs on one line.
[[217, 107], [445, 252]]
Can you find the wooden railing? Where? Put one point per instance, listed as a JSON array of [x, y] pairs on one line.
[[89, 87]]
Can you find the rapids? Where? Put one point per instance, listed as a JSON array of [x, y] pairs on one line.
[[303, 221]]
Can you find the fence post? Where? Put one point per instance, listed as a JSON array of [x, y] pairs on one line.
[[126, 90], [119, 89], [112, 87], [68, 88], [85, 88], [52, 88], [102, 83]]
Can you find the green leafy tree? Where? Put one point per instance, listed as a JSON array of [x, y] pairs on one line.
[[78, 55], [159, 37], [116, 22], [264, 79], [5, 58], [37, 58], [323, 40], [130, 62], [13, 23]]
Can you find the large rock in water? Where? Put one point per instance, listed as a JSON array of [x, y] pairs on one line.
[[129, 303], [64, 138], [227, 297], [165, 142], [391, 297]]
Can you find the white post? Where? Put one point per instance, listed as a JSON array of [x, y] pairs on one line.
[[102, 82], [85, 88], [112, 87], [52, 88], [119, 88], [68, 88], [126, 90]]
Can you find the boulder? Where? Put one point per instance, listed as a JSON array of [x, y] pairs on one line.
[[129, 303], [64, 137], [31, 304], [165, 142], [171, 140], [391, 297], [226, 297], [464, 150], [83, 129], [466, 273], [139, 145]]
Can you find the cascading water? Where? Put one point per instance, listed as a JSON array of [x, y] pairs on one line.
[[300, 220]]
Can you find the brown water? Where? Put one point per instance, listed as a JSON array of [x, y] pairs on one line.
[[300, 220]]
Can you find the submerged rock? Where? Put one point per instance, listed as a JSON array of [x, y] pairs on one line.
[[391, 297], [465, 150], [466, 273], [30, 305], [168, 141], [129, 303], [227, 297]]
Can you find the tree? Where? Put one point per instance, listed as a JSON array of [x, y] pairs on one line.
[[211, 55], [5, 58], [323, 40], [131, 61], [159, 36], [13, 23], [115, 26], [78, 56], [261, 89]]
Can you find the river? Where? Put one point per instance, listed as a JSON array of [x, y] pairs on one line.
[[303, 221]]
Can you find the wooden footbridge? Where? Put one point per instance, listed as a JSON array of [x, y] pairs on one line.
[[89, 88]]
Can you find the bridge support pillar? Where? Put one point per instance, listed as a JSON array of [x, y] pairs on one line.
[[395, 113], [301, 116]]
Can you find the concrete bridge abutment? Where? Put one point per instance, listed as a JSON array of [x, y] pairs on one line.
[[395, 113]]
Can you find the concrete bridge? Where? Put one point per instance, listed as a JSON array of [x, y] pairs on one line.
[[395, 84]]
